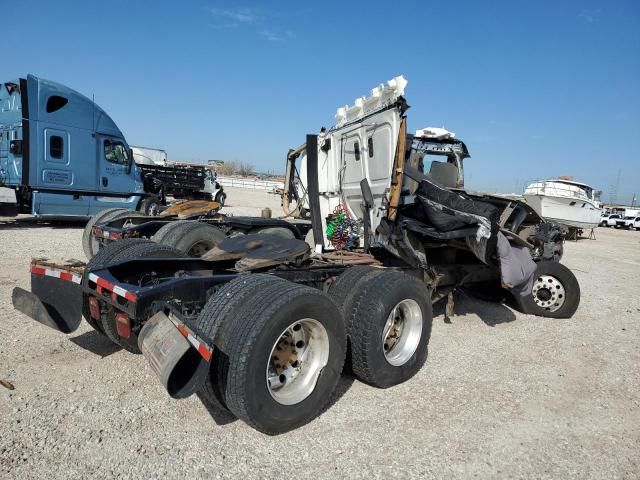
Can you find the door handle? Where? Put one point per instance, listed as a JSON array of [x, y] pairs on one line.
[[105, 181]]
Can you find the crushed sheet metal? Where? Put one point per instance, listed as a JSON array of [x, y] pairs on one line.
[[56, 273], [203, 349], [121, 292]]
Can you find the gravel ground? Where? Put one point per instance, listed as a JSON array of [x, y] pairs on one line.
[[502, 395]]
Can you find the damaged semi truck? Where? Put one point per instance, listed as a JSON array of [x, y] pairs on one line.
[[260, 324]]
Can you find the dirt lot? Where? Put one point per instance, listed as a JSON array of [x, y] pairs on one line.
[[502, 395]]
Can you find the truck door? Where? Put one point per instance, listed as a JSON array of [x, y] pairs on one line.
[[369, 152], [115, 170]]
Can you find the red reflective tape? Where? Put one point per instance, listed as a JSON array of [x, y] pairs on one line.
[[38, 270], [66, 276], [205, 352], [131, 297], [183, 330], [104, 284]]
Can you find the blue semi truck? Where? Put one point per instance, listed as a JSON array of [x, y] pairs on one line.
[[63, 155]]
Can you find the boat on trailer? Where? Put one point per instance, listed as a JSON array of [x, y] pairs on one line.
[[565, 202]]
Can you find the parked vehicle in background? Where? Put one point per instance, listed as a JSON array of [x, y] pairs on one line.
[[628, 222], [636, 223], [624, 221], [63, 155], [177, 179], [612, 220], [603, 219]]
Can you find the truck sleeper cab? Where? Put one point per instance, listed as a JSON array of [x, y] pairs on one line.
[[62, 153]]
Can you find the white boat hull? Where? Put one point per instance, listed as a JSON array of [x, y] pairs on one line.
[[571, 212]]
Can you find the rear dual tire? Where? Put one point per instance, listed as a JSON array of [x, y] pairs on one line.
[[389, 319], [191, 237], [280, 348]]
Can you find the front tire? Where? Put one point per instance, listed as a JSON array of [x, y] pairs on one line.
[[150, 206], [221, 197], [390, 328], [555, 293]]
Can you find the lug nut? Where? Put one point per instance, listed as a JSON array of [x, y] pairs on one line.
[[282, 378], [299, 344], [296, 327]]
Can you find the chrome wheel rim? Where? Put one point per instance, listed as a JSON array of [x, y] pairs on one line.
[[296, 361], [548, 293], [95, 244], [153, 210], [402, 332]]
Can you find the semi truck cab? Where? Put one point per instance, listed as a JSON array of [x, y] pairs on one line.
[[62, 153]]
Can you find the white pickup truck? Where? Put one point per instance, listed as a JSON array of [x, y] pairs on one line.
[[632, 222], [612, 220]]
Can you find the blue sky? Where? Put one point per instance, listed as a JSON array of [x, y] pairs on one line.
[[536, 89]]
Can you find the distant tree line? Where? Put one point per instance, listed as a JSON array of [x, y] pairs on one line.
[[235, 167]]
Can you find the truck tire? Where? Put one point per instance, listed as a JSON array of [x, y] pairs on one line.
[[89, 243], [267, 334], [217, 311], [277, 231], [150, 206], [556, 292], [390, 329], [221, 197], [126, 249], [191, 237], [348, 286]]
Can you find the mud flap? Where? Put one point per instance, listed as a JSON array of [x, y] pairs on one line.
[[53, 302], [181, 367]]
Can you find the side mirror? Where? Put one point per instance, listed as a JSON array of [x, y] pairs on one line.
[[130, 164]]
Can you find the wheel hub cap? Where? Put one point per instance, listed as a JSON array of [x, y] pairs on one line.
[[548, 293], [402, 332], [296, 361]]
